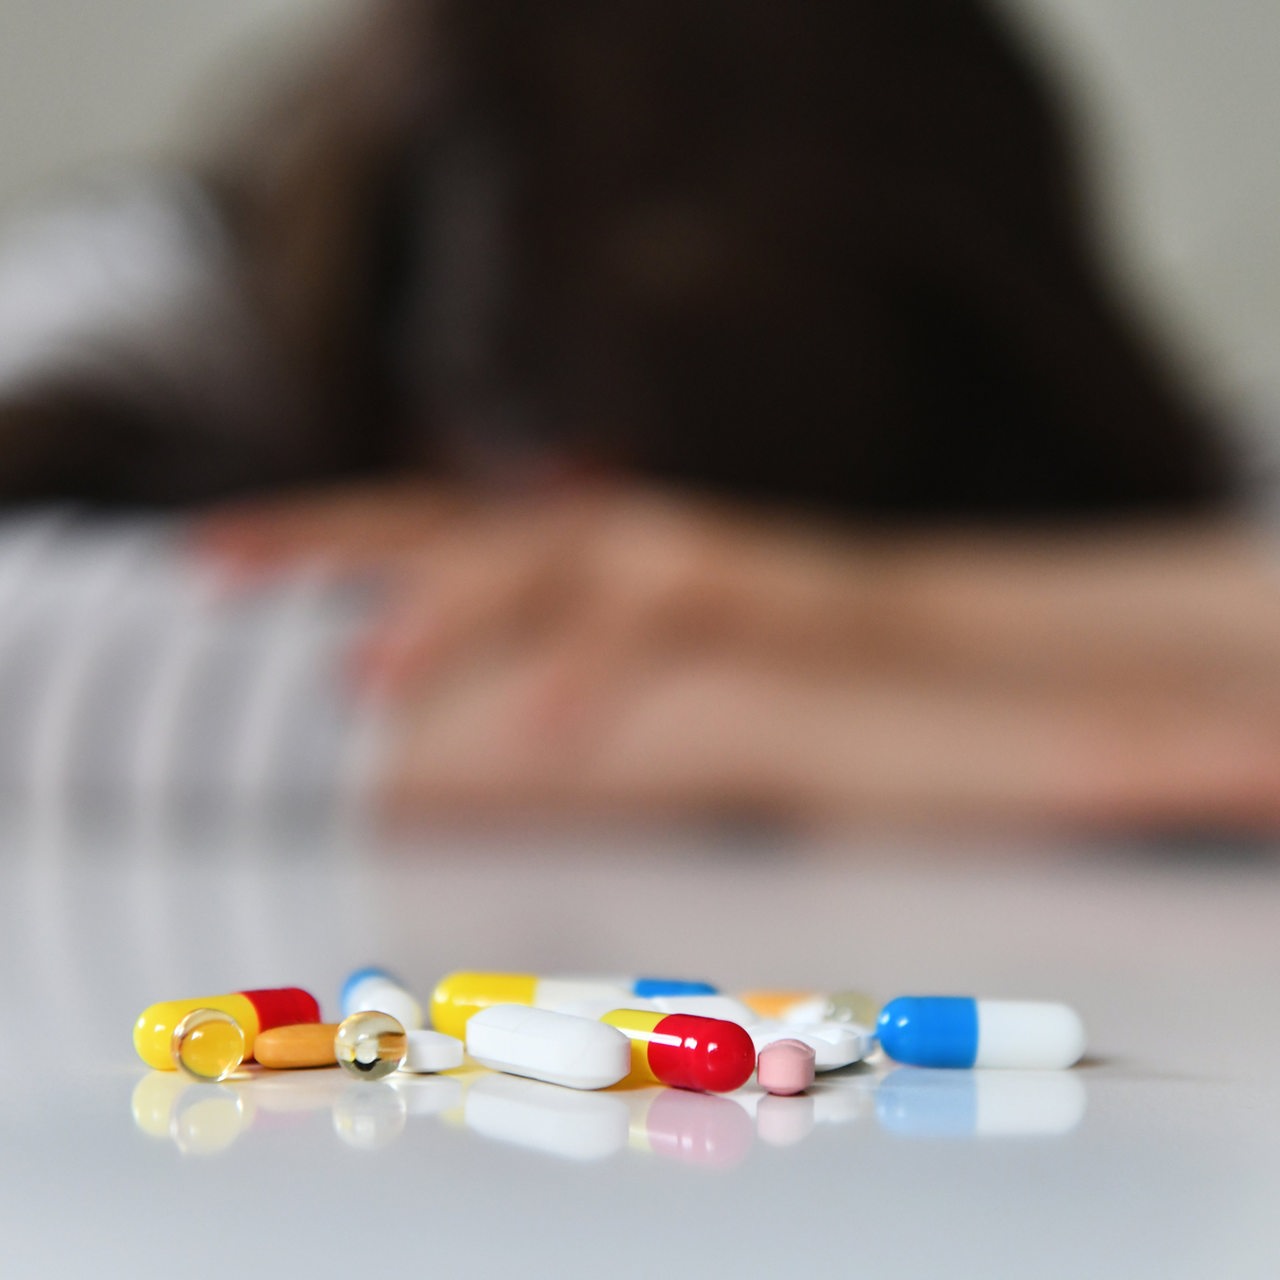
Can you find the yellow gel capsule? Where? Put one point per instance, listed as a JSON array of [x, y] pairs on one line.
[[208, 1045], [153, 1032], [459, 995]]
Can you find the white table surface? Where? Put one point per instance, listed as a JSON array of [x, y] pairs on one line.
[[1159, 1158]]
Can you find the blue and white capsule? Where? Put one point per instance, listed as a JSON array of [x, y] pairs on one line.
[[374, 990], [958, 1031]]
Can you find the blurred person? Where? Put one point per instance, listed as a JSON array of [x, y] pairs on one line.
[[730, 397]]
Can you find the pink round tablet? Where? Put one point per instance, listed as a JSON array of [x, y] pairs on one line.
[[785, 1066]]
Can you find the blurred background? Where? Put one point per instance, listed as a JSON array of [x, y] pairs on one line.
[[1178, 103], [1175, 106]]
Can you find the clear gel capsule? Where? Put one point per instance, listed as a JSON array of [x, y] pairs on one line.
[[208, 1045], [375, 990], [958, 1031], [370, 1045], [541, 1044]]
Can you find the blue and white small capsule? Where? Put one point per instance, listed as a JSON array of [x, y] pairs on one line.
[[958, 1031], [376, 990], [649, 988]]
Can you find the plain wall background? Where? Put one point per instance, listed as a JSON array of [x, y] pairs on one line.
[[1179, 101]]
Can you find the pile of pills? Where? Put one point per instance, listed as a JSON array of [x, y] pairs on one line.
[[596, 1033]]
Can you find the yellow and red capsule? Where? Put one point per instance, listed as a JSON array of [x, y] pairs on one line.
[[685, 1051]]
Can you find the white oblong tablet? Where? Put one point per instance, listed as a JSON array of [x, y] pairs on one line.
[[543, 1045], [430, 1051], [834, 1044]]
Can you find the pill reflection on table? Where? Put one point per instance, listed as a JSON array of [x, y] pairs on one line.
[[282, 1099], [199, 1121], [428, 1095], [843, 1100], [785, 1120], [369, 1116], [930, 1103], [291, 1100], [570, 1124], [700, 1129]]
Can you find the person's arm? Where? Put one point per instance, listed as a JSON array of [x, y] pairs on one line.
[[626, 650]]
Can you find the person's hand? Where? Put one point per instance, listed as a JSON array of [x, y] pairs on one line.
[[603, 580], [621, 648]]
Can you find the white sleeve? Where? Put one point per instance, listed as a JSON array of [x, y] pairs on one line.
[[132, 292]]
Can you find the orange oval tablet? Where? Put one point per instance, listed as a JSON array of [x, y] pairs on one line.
[[309, 1044]]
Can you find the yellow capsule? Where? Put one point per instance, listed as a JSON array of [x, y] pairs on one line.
[[637, 1025], [153, 1032], [255, 1011], [459, 995]]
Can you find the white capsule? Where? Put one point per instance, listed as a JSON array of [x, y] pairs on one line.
[[597, 1008], [725, 1008], [377, 991], [543, 1045]]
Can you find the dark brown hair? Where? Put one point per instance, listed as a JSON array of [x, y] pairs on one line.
[[824, 253]]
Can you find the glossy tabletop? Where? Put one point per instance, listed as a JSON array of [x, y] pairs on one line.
[[1160, 1157]]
